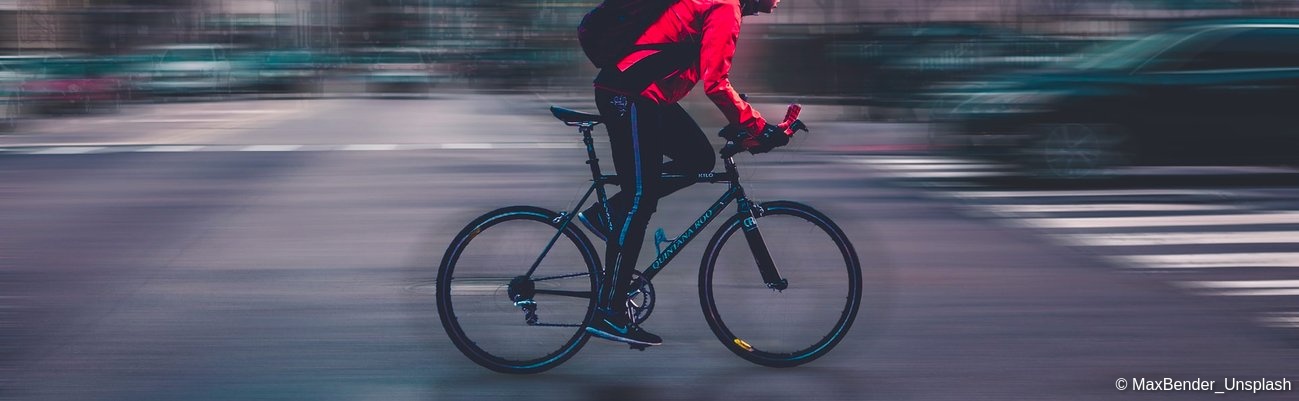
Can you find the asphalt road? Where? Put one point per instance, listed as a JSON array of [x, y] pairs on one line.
[[285, 250]]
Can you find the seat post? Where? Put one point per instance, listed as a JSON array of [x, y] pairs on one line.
[[591, 159]]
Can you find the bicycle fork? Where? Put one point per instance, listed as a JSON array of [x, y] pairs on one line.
[[766, 266]]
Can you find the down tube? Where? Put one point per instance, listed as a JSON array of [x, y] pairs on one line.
[[690, 233]]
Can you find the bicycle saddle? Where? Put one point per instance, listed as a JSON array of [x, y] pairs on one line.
[[574, 116]]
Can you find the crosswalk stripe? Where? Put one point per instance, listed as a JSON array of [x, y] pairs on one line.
[[1164, 221], [1242, 237], [1211, 260], [912, 160], [1106, 207], [918, 167], [1085, 193], [1284, 320], [944, 174], [1240, 284], [67, 150], [1274, 292]]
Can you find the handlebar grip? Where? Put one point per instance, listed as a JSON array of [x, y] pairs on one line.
[[791, 114]]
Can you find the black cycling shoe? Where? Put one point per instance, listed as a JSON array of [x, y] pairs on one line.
[[593, 219], [618, 329]]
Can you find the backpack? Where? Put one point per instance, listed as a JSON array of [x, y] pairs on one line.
[[609, 32]]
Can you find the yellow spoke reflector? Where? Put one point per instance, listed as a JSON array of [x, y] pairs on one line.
[[744, 345]]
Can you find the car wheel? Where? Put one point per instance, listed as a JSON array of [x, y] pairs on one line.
[[1078, 150]]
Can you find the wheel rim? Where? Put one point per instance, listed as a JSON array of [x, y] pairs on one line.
[[1078, 150]]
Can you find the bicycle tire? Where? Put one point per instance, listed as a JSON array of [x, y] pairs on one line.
[[481, 294], [759, 339]]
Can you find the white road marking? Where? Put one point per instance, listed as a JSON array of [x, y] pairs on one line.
[[1211, 260], [170, 148], [476, 288], [916, 167], [944, 174], [1243, 237], [67, 150], [271, 148], [911, 160], [1105, 207], [468, 146], [168, 120], [1163, 221], [1283, 320], [1275, 292], [1085, 193], [370, 147], [1241, 284], [556, 145]]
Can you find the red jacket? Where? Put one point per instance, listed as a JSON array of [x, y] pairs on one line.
[[715, 26]]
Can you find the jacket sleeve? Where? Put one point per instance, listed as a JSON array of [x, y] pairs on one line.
[[721, 29]]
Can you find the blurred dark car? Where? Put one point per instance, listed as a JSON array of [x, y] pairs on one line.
[[290, 71], [909, 60], [395, 69], [193, 69], [1213, 94], [14, 70]]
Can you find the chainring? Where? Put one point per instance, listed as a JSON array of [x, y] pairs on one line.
[[640, 300]]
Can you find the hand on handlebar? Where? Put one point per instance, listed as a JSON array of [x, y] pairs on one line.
[[771, 137]]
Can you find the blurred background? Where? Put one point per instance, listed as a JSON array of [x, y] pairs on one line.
[[248, 199], [873, 52], [962, 65]]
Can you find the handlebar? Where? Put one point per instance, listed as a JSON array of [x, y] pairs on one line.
[[735, 135]]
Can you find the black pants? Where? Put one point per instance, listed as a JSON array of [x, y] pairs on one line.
[[641, 133]]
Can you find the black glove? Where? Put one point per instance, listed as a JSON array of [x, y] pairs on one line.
[[771, 137]]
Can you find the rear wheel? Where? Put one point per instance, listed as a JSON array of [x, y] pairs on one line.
[[502, 318]]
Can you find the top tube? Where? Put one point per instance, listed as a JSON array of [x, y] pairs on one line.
[[709, 177]]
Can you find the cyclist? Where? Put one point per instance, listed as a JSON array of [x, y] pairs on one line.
[[693, 41]]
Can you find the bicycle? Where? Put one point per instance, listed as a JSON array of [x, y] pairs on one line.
[[485, 278]]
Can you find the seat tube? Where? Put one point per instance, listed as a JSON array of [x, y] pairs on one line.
[[594, 163], [766, 266]]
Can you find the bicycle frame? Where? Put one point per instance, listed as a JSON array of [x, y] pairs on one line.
[[734, 193]]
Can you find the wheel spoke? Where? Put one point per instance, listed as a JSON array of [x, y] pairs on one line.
[[575, 294]]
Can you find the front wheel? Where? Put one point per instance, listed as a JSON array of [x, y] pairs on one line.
[[500, 316], [800, 323]]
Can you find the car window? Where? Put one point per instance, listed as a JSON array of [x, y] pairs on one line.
[[1182, 55], [1253, 48], [1126, 55]]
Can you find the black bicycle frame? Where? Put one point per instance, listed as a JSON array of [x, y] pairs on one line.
[[734, 193]]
